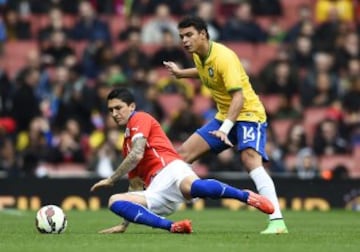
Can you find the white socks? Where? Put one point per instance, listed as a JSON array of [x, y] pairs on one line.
[[265, 186]]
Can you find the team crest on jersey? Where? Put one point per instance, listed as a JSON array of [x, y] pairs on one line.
[[127, 132], [211, 72]]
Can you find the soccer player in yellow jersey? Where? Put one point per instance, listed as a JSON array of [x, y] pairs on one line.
[[240, 120]]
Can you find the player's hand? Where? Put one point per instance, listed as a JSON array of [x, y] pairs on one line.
[[222, 136], [173, 68], [114, 230], [102, 183]]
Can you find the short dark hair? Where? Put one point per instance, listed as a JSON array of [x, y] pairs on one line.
[[122, 94], [198, 23]]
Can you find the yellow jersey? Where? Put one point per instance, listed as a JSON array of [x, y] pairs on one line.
[[222, 72]]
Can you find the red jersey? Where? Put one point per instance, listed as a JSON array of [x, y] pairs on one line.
[[159, 151]]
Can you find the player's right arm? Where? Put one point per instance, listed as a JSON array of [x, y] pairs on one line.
[[181, 73], [129, 163]]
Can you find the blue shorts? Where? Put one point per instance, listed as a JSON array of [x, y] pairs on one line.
[[243, 135]]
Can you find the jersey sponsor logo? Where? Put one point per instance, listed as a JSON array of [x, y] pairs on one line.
[[135, 128], [248, 134]]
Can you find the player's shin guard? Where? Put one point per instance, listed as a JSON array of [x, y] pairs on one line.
[[138, 214], [211, 188]]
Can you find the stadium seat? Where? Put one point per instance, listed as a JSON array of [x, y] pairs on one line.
[[290, 162], [201, 104], [15, 52], [79, 47], [18, 49], [117, 23], [312, 117], [329, 162], [243, 50], [281, 128], [263, 53], [171, 103], [150, 49], [271, 103]]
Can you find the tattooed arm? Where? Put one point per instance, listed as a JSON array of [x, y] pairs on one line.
[[129, 163]]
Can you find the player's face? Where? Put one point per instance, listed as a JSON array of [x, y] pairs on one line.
[[120, 111], [192, 39]]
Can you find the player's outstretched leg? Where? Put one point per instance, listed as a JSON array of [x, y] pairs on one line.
[[265, 186], [137, 213], [211, 188]]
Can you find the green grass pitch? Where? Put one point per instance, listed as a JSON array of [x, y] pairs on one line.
[[214, 230]]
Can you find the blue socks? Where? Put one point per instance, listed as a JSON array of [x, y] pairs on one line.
[[211, 188], [136, 213]]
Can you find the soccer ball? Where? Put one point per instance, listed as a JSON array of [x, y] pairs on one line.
[[50, 219]]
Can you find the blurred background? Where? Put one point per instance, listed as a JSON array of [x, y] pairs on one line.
[[59, 59]]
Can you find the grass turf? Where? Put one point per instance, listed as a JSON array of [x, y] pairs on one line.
[[214, 230]]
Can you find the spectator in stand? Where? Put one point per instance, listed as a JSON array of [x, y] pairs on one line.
[[146, 7], [351, 106], [351, 71], [17, 28], [97, 55], [56, 23], [184, 123], [266, 7], [89, 27], [282, 81], [275, 154], [241, 27], [350, 49], [154, 27], [132, 57], [275, 33], [327, 88], [58, 49], [6, 92], [302, 54], [304, 16], [34, 144], [327, 32], [67, 150], [25, 102], [306, 166], [75, 100], [133, 24], [286, 109], [327, 140], [205, 10], [268, 72], [2, 35], [169, 50], [24, 8], [34, 62], [296, 139], [323, 94], [345, 8], [9, 160]]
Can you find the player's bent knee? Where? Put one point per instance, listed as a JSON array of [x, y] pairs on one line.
[[115, 197]]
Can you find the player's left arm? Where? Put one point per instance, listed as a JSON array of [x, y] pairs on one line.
[[128, 164]]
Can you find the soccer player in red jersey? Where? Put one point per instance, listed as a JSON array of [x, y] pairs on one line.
[[167, 180]]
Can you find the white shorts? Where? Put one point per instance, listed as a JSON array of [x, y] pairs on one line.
[[163, 196]]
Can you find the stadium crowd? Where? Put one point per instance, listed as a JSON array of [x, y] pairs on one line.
[[59, 59]]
